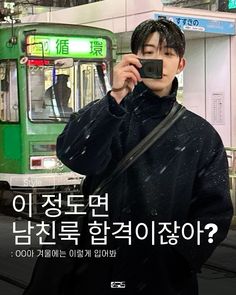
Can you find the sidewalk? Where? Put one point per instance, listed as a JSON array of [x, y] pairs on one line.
[[225, 254], [220, 280]]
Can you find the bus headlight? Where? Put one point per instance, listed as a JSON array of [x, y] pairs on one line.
[[43, 162], [49, 163]]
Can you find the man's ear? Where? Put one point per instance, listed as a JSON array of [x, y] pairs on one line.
[[181, 65]]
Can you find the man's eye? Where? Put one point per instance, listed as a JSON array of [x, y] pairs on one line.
[[168, 53], [148, 52]]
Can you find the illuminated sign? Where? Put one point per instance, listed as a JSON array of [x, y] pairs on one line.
[[227, 5], [64, 46], [232, 4]]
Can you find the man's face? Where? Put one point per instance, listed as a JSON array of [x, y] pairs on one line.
[[172, 64]]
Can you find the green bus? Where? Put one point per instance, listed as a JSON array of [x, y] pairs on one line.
[[47, 71]]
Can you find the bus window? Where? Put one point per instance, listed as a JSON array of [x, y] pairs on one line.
[[51, 93], [9, 111], [55, 93], [93, 82]]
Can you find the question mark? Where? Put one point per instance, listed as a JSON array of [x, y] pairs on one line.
[[214, 228]]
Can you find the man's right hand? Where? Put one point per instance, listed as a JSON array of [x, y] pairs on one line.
[[125, 76]]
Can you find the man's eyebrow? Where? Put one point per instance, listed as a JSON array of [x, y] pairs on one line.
[[154, 46], [151, 45]]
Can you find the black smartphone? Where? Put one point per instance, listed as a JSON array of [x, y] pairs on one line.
[[151, 68]]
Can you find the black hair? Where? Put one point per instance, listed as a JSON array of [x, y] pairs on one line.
[[168, 31]]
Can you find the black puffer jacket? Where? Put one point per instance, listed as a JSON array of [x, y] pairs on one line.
[[183, 177]]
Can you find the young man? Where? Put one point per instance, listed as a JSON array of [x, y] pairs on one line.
[[182, 179]]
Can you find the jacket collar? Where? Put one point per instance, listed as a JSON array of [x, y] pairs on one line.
[[143, 102]]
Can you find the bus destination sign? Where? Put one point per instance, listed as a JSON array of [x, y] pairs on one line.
[[64, 46]]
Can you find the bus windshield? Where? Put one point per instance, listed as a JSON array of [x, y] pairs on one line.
[[54, 93]]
